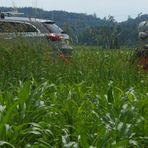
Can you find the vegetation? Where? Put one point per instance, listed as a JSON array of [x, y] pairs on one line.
[[97, 100]]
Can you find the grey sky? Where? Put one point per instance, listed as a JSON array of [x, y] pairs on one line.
[[120, 9]]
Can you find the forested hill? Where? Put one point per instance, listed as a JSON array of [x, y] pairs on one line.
[[61, 17], [89, 29]]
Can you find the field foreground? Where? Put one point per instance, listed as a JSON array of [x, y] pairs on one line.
[[97, 100]]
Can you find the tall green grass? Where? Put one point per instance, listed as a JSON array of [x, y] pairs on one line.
[[97, 100]]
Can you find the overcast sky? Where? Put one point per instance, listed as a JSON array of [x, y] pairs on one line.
[[120, 9]]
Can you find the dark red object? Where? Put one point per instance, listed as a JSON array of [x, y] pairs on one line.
[[55, 37]]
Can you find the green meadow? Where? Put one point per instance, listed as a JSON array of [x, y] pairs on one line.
[[97, 100]]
